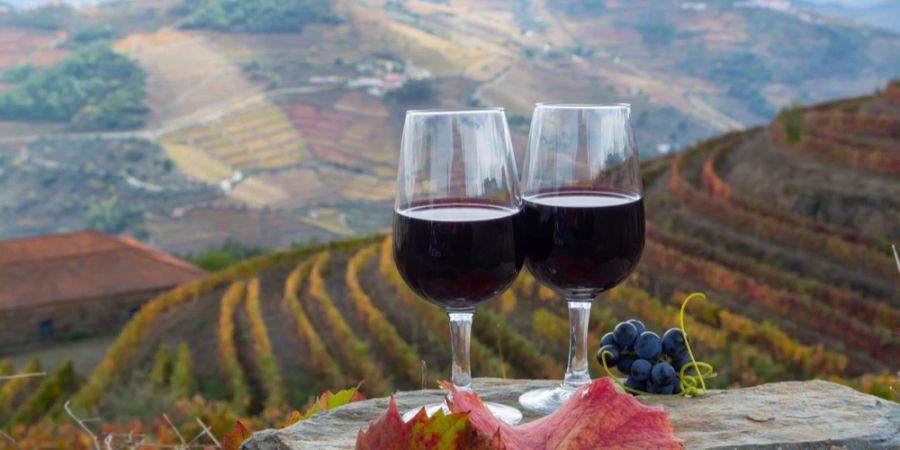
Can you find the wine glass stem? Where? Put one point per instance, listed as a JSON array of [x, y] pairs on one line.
[[577, 374], [460, 337]]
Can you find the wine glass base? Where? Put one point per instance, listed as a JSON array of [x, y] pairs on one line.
[[507, 414], [545, 401]]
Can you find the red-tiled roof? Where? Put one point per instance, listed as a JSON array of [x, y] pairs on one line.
[[89, 264]]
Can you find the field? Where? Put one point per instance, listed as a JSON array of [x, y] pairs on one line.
[[786, 227], [270, 121], [255, 138], [59, 185], [28, 46], [198, 228], [790, 295], [353, 133], [186, 74]]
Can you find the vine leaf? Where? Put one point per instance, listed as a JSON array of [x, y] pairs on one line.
[[597, 416], [440, 431], [326, 401], [237, 436]]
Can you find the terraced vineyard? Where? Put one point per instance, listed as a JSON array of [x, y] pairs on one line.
[[790, 296], [256, 138]]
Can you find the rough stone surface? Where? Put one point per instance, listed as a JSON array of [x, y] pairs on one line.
[[790, 415]]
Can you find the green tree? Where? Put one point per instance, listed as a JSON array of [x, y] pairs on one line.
[[257, 16], [94, 88], [17, 73], [414, 91], [109, 216], [92, 34], [230, 253]]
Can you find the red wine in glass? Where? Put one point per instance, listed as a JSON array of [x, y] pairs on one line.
[[583, 238], [457, 217], [457, 255], [583, 219]]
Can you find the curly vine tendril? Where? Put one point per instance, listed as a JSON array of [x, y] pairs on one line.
[[691, 385]]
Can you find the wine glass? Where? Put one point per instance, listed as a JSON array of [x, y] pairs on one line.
[[583, 217], [457, 210]]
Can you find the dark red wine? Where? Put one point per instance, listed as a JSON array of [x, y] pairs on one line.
[[583, 240], [457, 255]]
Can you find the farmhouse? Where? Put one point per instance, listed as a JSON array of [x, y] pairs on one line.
[[79, 283]]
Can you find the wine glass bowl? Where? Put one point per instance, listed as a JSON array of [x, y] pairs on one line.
[[457, 219], [583, 217]]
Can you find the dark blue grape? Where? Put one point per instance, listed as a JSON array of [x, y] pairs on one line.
[[647, 345], [612, 355], [662, 374], [679, 363], [607, 339], [635, 384], [625, 362], [639, 325], [640, 370], [677, 385], [673, 343], [661, 389], [624, 335]]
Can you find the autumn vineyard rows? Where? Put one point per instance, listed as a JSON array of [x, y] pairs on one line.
[[788, 297]]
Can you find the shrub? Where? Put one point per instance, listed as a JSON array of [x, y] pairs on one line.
[[162, 366], [414, 91], [50, 392], [6, 367], [230, 253], [793, 120], [182, 382], [14, 387]]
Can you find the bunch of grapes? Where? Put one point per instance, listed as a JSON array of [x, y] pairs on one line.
[[651, 363]]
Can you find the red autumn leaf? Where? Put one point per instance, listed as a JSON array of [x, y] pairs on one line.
[[597, 416], [237, 436], [440, 431]]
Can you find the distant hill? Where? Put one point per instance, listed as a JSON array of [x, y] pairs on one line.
[[878, 13], [786, 228], [272, 138]]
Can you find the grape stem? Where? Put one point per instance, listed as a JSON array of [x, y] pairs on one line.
[[688, 383]]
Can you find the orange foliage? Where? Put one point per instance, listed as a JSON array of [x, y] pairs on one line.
[[402, 354], [353, 352], [234, 374], [319, 360], [823, 243]]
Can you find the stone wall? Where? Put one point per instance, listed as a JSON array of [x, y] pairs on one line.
[[20, 328], [794, 415]]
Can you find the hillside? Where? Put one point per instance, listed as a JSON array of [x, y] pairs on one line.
[[786, 228], [293, 127], [879, 13]]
